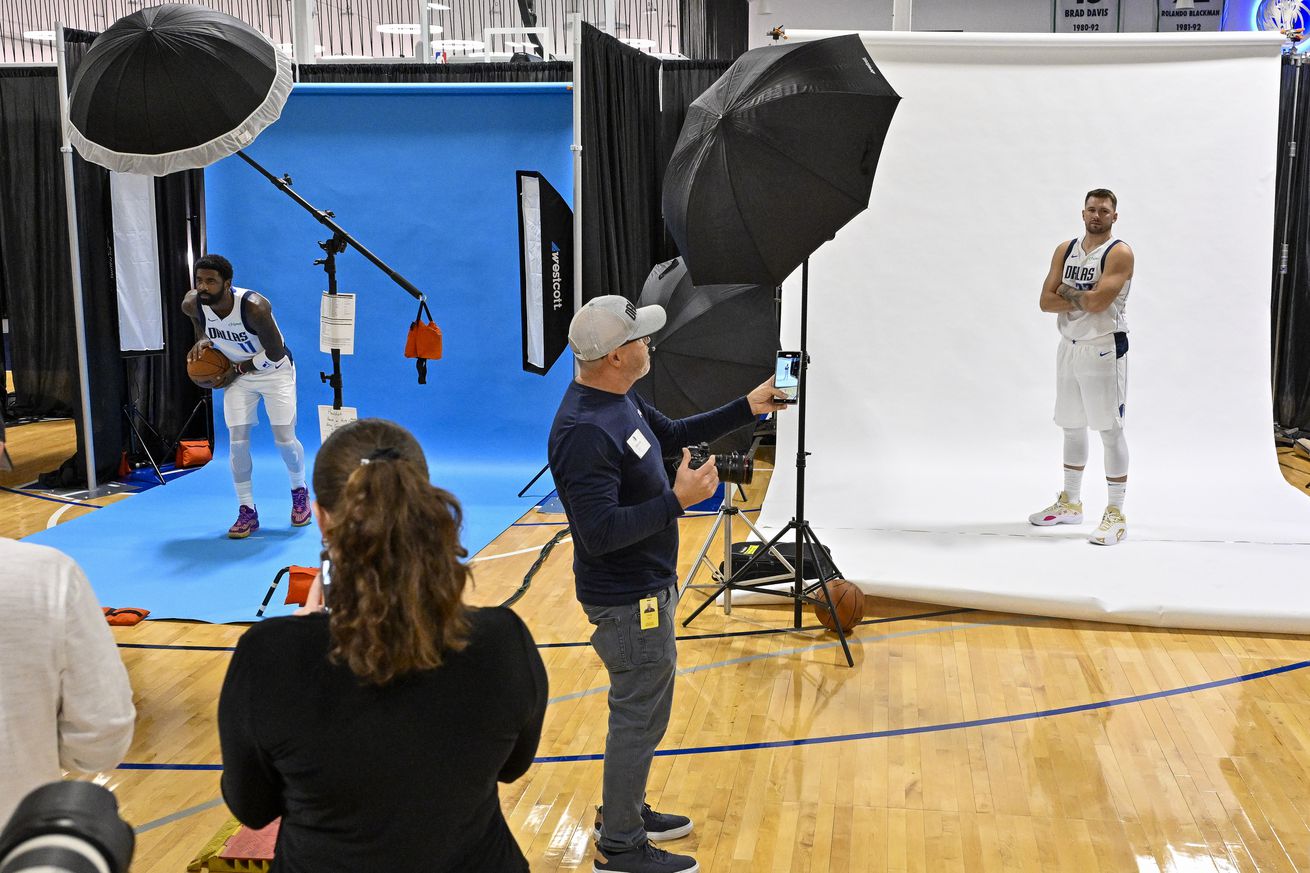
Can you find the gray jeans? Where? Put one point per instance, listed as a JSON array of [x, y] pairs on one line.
[[641, 665]]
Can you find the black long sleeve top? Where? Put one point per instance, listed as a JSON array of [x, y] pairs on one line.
[[605, 452], [397, 778]]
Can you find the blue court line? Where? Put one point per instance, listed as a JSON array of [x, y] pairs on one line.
[[683, 517], [871, 735], [51, 499], [580, 643], [778, 630], [948, 726]]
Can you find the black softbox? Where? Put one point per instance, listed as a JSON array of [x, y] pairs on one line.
[[545, 271]]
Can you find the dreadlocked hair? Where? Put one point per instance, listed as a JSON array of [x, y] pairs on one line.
[[393, 539]]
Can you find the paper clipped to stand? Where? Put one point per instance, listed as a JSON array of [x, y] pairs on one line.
[[337, 323], [330, 419]]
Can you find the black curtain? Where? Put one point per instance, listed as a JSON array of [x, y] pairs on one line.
[[681, 83], [158, 383], [628, 135], [547, 71], [622, 231], [99, 306], [1291, 301], [713, 28], [34, 274]]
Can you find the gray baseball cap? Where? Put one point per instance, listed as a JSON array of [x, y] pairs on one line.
[[605, 323]]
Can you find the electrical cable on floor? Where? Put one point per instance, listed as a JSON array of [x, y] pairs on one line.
[[536, 565]]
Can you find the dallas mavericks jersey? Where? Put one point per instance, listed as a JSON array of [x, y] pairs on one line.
[[1083, 270], [230, 335]]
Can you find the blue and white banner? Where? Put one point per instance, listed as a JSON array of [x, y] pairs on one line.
[[1085, 16], [1190, 16]]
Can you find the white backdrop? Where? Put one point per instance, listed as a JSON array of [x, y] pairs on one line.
[[932, 379]]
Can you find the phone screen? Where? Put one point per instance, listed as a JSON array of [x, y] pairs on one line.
[[787, 374]]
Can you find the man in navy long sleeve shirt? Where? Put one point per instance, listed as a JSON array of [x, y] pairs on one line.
[[606, 454]]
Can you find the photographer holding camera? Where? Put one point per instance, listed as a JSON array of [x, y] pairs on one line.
[[606, 453]]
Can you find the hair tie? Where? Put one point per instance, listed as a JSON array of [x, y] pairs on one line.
[[386, 453]]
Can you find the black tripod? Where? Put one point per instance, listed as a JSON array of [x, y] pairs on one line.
[[132, 412], [808, 547]]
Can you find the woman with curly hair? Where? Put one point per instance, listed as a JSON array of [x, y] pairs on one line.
[[378, 728]]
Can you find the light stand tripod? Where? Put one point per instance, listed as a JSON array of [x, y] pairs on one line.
[[723, 520], [334, 246], [807, 543]]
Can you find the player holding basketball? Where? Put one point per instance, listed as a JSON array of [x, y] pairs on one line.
[[239, 323], [1087, 287]]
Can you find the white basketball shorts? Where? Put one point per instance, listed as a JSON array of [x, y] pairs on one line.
[[276, 387], [1091, 384]]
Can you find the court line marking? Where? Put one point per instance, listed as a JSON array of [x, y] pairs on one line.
[[683, 517], [883, 734], [580, 643], [51, 499], [54, 519], [947, 726], [176, 816]]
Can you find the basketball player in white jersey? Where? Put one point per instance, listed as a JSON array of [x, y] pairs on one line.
[[239, 323], [1087, 287]]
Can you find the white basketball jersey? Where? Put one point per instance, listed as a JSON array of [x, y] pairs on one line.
[[1082, 270], [230, 335]]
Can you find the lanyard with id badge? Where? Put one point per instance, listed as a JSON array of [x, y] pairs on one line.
[[650, 612]]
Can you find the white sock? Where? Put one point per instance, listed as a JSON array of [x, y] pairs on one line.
[[242, 466], [1073, 485], [1117, 490]]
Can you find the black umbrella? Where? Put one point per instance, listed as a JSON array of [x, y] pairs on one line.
[[718, 343], [776, 157], [175, 87]]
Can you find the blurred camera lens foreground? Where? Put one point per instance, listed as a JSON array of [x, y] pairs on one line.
[[67, 827]]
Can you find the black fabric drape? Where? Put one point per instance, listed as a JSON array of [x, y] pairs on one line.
[[158, 383], [34, 274], [713, 28], [1291, 301], [548, 71], [628, 136], [99, 304], [622, 232], [681, 83]]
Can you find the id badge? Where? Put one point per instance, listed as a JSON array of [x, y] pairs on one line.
[[650, 612]]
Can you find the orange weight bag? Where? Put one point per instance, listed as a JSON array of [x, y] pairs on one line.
[[423, 341]]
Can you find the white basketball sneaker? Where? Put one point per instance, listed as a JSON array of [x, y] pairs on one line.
[[1112, 530], [1062, 511]]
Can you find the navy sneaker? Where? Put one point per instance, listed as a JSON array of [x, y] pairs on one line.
[[646, 858], [659, 826]]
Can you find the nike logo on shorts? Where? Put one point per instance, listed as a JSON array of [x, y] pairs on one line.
[[1102, 354]]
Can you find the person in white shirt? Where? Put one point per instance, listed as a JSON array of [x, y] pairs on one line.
[[1087, 287], [65, 700]]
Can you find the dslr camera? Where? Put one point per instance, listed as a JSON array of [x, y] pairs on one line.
[[735, 467]]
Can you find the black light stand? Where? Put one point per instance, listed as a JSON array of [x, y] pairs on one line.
[[339, 242], [805, 537]]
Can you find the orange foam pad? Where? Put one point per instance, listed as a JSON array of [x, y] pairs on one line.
[[249, 844]]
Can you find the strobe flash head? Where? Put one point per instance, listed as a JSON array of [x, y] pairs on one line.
[[67, 827]]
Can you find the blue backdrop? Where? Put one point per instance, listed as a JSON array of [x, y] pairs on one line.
[[423, 176]]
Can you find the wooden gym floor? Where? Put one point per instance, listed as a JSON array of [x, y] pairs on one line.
[[961, 741]]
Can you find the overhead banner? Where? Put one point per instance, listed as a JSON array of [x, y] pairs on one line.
[[1085, 16], [546, 271], [1190, 16]]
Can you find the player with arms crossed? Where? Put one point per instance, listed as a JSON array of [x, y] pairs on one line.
[[239, 323], [1087, 287]]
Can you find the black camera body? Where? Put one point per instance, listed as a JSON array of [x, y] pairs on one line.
[[735, 467]]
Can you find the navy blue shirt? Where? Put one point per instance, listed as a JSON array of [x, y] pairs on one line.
[[606, 453]]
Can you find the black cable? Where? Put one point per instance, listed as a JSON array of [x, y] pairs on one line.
[[536, 565]]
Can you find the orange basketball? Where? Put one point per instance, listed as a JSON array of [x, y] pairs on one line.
[[849, 601], [209, 368]]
